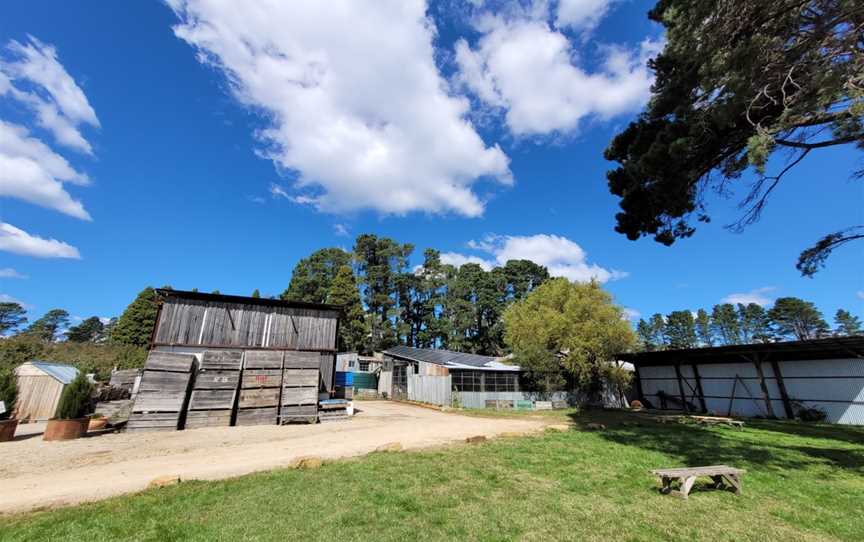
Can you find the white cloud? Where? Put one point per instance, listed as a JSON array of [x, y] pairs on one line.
[[760, 296], [581, 14], [62, 106], [860, 294], [9, 273], [6, 298], [355, 103], [16, 240], [561, 256], [631, 314], [31, 171], [458, 260], [340, 230], [528, 69]]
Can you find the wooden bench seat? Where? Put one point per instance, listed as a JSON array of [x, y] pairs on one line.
[[686, 477]]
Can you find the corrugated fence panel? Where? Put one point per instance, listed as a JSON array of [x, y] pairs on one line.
[[430, 389]]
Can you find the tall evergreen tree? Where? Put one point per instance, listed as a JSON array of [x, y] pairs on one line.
[[136, 323], [88, 330], [352, 326], [645, 333], [313, 275], [658, 327], [847, 323], [523, 276], [754, 323], [794, 318], [12, 316], [725, 324], [703, 328], [680, 329], [255, 293], [47, 327]]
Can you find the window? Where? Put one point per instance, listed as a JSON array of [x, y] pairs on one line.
[[466, 380], [500, 381], [364, 366]]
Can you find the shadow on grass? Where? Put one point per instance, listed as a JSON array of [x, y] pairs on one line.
[[698, 446]]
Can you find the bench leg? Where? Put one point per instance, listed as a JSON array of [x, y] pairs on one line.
[[686, 486], [718, 482], [735, 481], [666, 485]]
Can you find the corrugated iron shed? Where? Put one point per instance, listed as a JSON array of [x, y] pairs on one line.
[[62, 372]]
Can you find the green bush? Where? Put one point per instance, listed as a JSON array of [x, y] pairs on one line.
[[8, 392], [75, 400]]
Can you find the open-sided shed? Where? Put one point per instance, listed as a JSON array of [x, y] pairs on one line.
[[40, 384]]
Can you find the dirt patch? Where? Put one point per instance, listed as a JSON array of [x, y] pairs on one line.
[[37, 474]]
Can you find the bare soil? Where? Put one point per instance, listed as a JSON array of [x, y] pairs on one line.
[[36, 474]]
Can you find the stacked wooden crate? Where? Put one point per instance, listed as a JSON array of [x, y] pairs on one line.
[[162, 392], [212, 401], [300, 379], [332, 410], [260, 388]]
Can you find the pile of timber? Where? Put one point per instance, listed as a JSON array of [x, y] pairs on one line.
[[260, 388], [333, 410], [162, 392], [212, 401], [300, 378]]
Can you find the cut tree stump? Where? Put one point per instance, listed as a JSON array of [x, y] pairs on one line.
[[686, 477]]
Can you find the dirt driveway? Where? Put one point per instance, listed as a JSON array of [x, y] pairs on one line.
[[36, 474]]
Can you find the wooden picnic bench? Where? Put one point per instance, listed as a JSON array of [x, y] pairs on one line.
[[687, 476], [718, 420]]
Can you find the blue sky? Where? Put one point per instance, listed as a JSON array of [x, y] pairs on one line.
[[216, 163]]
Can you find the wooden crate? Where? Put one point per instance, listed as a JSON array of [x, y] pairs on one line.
[[257, 416], [300, 380], [162, 393], [229, 360], [211, 403], [208, 418], [260, 388], [258, 397]]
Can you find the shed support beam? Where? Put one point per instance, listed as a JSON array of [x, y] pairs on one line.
[[699, 388], [681, 387], [784, 395], [769, 408]]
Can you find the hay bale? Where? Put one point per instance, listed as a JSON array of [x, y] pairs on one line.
[[164, 481], [307, 463]]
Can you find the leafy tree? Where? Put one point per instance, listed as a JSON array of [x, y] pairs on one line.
[[216, 292], [313, 275], [432, 329], [352, 327], [255, 293], [703, 328], [523, 277], [12, 316], [847, 323], [565, 331], [8, 392], [725, 324], [90, 330], [47, 327], [737, 83], [680, 329], [797, 319], [75, 399], [135, 325], [754, 323]]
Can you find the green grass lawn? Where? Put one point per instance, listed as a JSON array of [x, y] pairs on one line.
[[804, 482]]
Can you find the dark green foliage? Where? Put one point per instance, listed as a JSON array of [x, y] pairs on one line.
[[255, 293], [754, 323], [75, 399], [737, 82], [312, 276], [795, 318], [12, 316], [47, 327], [847, 323], [98, 358], [90, 330], [725, 324], [703, 328], [135, 325], [680, 330], [353, 330], [8, 392]]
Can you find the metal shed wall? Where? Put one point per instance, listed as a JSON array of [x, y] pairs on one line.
[[835, 386]]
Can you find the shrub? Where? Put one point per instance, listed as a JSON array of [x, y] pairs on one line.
[[8, 392], [75, 400]]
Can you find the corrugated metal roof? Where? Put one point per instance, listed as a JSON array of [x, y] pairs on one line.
[[448, 358], [62, 372]]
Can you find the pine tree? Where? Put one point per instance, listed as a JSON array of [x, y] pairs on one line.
[[47, 327], [724, 323], [256, 294], [703, 328], [75, 399], [646, 335], [754, 323], [136, 323], [795, 318], [353, 331], [12, 316], [658, 328], [8, 392], [87, 331], [680, 329], [847, 323], [312, 276]]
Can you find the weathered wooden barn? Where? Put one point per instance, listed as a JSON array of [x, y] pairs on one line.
[[767, 380], [253, 360], [40, 384]]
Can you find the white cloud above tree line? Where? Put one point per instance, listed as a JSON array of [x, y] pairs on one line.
[[18, 241], [526, 67], [355, 104], [561, 256], [10, 273], [760, 296]]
